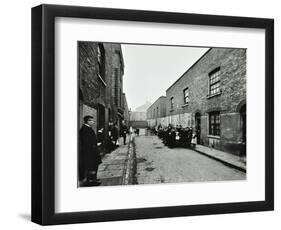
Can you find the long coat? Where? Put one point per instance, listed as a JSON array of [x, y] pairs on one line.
[[124, 130], [89, 157], [114, 133]]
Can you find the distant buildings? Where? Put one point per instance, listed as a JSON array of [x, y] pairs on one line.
[[156, 113], [143, 107], [138, 116], [138, 119], [101, 95], [210, 97]]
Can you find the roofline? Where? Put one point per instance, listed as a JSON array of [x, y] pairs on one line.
[[190, 68], [155, 102]]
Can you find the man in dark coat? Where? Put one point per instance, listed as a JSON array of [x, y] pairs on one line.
[[89, 157], [112, 136], [124, 131]]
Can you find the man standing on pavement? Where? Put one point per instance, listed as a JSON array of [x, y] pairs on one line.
[[115, 135], [89, 156], [124, 131]]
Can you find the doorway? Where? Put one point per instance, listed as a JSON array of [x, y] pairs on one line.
[[198, 127], [243, 121]]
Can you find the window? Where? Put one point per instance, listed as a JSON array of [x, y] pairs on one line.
[[214, 81], [186, 96], [172, 102], [214, 123], [101, 61]]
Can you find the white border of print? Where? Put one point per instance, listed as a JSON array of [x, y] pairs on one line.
[[70, 199]]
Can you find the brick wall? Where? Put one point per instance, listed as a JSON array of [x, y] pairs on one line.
[[157, 109], [91, 87], [183, 119], [104, 90], [86, 110], [232, 64]]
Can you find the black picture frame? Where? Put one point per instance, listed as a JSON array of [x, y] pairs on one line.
[[43, 114]]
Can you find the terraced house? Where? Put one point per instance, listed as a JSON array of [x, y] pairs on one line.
[[156, 113], [211, 97]]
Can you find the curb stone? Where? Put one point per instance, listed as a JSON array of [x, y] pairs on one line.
[[222, 161]]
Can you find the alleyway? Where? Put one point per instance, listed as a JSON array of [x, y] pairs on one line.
[[156, 163]]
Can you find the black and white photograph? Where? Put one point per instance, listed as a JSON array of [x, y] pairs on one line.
[[140, 114], [155, 114]]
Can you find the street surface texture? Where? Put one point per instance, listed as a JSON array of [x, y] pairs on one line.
[[111, 170], [156, 163]]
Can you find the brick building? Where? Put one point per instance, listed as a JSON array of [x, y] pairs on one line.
[[156, 113], [101, 70], [126, 109], [211, 97]]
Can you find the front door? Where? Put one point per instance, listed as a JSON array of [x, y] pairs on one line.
[[243, 119], [198, 127], [243, 127]]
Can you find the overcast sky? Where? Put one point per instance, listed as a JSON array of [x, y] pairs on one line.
[[150, 70]]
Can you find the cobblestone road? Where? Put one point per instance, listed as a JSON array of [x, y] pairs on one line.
[[157, 163]]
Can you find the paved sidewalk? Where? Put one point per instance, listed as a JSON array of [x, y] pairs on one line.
[[112, 170], [224, 157]]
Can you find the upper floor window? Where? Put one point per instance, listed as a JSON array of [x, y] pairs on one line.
[[172, 102], [214, 81], [186, 96], [101, 61], [214, 123]]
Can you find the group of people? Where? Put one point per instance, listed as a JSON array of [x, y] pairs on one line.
[[176, 135], [91, 146]]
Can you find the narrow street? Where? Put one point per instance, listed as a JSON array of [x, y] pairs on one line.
[[156, 163]]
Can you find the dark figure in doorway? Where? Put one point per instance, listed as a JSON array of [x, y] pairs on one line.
[[89, 157]]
